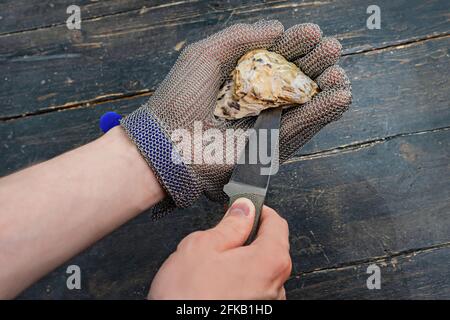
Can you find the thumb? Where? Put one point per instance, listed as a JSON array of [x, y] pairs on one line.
[[235, 227]]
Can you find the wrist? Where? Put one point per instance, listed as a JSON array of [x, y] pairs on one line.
[[153, 139], [136, 173]]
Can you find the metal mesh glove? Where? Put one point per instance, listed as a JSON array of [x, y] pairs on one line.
[[188, 95]]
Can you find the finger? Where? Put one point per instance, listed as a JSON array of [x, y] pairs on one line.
[[235, 227], [325, 107], [333, 78], [273, 230], [298, 125], [271, 247], [325, 54], [282, 294], [224, 47], [231, 43], [297, 40]]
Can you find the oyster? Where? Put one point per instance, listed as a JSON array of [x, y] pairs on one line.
[[261, 80]]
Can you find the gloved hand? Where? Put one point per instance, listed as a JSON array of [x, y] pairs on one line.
[[188, 96], [213, 264]]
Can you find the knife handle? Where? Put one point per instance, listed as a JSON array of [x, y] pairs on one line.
[[258, 202]]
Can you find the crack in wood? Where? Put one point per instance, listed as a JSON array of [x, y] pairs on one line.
[[97, 17], [136, 94], [118, 13], [359, 145], [108, 98], [398, 46], [282, 6], [377, 259]]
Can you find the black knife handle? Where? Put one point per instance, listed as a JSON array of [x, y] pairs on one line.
[[258, 202]]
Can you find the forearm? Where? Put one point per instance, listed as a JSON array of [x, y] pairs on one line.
[[53, 210]]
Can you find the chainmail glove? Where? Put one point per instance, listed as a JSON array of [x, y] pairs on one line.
[[188, 96]]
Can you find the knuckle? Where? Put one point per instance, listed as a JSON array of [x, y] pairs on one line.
[[343, 97], [282, 294], [276, 27], [193, 240], [282, 262], [348, 95], [340, 71], [272, 294], [277, 267], [284, 223], [286, 264], [284, 228], [269, 211], [282, 266], [332, 43], [335, 47], [200, 236], [311, 29], [339, 74]]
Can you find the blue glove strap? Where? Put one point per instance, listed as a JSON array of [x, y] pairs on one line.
[[158, 151], [109, 120]]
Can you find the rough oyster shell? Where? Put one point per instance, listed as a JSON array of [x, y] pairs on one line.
[[261, 80]]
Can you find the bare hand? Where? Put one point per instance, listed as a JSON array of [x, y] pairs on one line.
[[214, 264]]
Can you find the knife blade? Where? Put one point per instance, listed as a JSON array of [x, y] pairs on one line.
[[251, 175]]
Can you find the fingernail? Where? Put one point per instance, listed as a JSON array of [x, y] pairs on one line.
[[241, 207]]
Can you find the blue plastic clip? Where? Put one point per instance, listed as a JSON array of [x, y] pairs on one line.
[[109, 120]]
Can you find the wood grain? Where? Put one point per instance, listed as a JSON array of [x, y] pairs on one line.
[[418, 275], [342, 210], [128, 53], [23, 16], [373, 201], [371, 188], [394, 92]]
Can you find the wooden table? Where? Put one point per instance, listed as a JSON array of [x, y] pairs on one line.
[[373, 188]]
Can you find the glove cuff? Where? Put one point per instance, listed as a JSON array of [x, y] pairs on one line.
[[158, 150]]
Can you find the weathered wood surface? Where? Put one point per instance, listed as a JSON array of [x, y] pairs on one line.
[[390, 97], [419, 275], [22, 16], [382, 200], [129, 53], [372, 201], [371, 188]]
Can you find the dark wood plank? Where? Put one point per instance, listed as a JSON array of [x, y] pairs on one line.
[[24, 16], [386, 198], [344, 208], [122, 265], [419, 275], [395, 91], [376, 201], [34, 139], [131, 52]]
